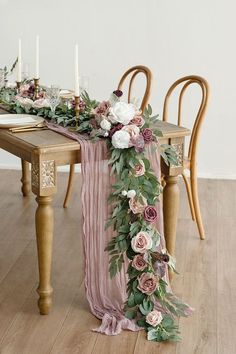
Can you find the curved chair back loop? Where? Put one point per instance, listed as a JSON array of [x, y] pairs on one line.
[[189, 80], [138, 69]]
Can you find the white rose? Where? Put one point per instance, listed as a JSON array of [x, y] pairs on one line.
[[141, 242], [121, 139], [154, 318], [41, 103], [105, 124], [123, 112], [124, 193], [131, 193]]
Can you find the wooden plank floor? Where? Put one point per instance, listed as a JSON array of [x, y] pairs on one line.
[[207, 279]]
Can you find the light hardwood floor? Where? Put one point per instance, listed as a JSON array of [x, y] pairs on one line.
[[206, 280]]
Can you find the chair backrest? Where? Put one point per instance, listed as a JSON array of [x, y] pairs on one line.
[[187, 81], [135, 70]]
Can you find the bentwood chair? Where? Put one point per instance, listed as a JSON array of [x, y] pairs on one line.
[[132, 72], [190, 161]]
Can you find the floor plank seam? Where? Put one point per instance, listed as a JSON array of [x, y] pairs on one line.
[[18, 313], [66, 316], [17, 259]]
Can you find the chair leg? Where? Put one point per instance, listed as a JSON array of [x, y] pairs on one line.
[[69, 186], [194, 188], [190, 198]]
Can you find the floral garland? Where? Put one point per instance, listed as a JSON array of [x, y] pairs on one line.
[[133, 199]]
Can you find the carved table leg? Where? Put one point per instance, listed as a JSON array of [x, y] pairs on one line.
[[170, 211], [25, 178], [44, 233]]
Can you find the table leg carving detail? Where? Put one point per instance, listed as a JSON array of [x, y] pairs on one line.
[[25, 179], [44, 234], [170, 211]]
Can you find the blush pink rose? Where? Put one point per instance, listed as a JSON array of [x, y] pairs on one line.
[[133, 130], [150, 214], [137, 206], [139, 169], [139, 263], [141, 242], [147, 283], [138, 120], [154, 318]]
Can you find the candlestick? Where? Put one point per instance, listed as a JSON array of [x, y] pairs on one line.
[[77, 110], [77, 71], [19, 62], [18, 85], [36, 88], [37, 59]]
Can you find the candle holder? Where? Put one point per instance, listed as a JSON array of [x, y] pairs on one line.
[[18, 85], [36, 89], [77, 110]]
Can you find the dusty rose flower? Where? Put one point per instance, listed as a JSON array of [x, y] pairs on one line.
[[42, 94], [150, 214], [24, 90], [139, 169], [137, 206], [102, 108], [40, 103], [138, 143], [147, 283], [115, 129], [24, 102], [133, 130], [139, 263], [118, 93], [154, 318], [141, 242], [147, 135], [138, 120]]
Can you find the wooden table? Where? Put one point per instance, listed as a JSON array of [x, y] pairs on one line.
[[46, 150]]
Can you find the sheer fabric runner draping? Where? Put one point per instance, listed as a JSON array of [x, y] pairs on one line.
[[106, 296]]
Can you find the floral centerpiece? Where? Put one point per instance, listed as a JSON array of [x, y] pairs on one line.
[[133, 198]]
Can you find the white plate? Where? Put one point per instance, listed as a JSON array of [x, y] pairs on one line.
[[19, 120]]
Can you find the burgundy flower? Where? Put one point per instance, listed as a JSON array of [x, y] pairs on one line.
[[138, 143], [115, 129], [118, 93], [150, 214], [160, 257], [147, 135]]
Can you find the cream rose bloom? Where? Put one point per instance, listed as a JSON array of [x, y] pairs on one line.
[[133, 130], [122, 112], [141, 242], [121, 139], [154, 318], [131, 193], [105, 124]]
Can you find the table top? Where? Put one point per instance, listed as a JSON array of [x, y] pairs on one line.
[[47, 141]]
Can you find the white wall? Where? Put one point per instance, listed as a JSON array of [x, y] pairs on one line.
[[173, 38]]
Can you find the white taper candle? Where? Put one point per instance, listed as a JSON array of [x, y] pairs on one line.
[[76, 70], [37, 59], [19, 62]]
